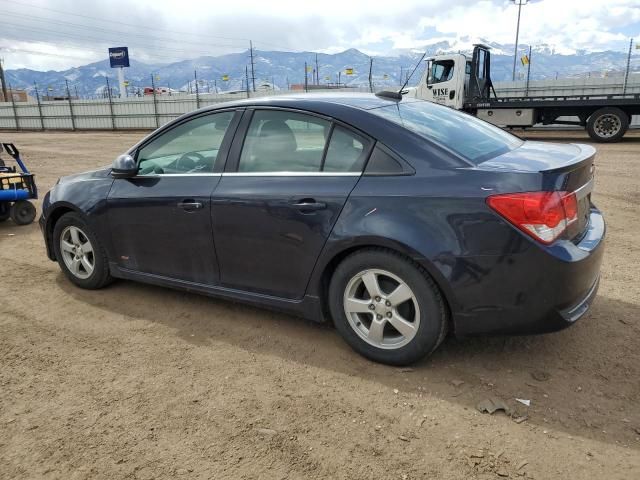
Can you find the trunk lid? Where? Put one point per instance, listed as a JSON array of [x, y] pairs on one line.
[[564, 167]]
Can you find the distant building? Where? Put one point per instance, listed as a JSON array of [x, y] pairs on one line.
[[18, 96]]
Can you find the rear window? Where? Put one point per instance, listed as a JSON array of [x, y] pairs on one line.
[[473, 139]]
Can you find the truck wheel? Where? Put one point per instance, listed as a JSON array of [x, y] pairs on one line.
[[607, 124], [23, 212]]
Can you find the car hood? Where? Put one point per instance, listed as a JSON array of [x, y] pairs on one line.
[[534, 156], [84, 176]]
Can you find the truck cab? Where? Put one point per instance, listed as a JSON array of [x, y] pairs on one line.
[[445, 80]]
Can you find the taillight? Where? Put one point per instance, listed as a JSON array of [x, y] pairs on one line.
[[542, 215]]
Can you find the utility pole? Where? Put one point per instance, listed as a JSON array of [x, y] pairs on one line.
[[306, 80], [317, 79], [526, 92], [400, 76], [253, 74], [5, 98], [246, 75], [520, 3], [626, 72], [195, 78], [370, 69]]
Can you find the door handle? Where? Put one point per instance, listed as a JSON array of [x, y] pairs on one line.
[[190, 205], [309, 205]]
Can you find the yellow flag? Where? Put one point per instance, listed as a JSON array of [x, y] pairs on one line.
[[225, 78], [126, 83], [309, 68], [524, 60], [348, 71]]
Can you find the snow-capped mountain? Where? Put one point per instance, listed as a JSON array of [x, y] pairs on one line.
[[284, 68]]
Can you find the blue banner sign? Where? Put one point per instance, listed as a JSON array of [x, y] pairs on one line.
[[119, 57]]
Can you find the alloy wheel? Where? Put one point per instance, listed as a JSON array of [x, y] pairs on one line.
[[77, 252], [381, 308]]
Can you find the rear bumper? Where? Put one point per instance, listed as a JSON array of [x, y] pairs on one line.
[[541, 290]]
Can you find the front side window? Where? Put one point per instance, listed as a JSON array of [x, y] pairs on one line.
[[442, 71], [471, 138], [190, 148]]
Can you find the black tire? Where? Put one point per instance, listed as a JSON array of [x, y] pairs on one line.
[[608, 124], [100, 276], [5, 211], [433, 312], [23, 212]]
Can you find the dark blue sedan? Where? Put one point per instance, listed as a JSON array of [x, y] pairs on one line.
[[400, 220]]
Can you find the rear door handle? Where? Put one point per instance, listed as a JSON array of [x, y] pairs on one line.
[[190, 205], [309, 205]]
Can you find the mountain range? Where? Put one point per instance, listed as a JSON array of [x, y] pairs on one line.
[[281, 69]]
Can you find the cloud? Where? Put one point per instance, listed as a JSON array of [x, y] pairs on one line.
[[61, 33]]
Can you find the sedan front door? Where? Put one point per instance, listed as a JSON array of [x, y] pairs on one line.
[[272, 213], [160, 220]]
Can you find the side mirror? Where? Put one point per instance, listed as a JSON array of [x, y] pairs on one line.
[[124, 167]]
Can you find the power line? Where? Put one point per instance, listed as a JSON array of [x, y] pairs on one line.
[[105, 30], [104, 40], [118, 22]]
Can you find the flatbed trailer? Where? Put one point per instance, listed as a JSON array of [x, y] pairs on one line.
[[465, 84]]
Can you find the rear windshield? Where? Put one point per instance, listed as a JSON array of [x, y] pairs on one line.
[[473, 139]]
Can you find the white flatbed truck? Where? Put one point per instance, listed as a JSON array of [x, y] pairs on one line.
[[465, 84]]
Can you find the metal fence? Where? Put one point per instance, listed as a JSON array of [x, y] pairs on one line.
[[150, 112], [147, 112]]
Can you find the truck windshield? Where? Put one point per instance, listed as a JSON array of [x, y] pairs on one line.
[[473, 139]]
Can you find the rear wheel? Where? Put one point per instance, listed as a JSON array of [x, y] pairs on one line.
[[79, 252], [386, 307], [607, 124], [23, 212]]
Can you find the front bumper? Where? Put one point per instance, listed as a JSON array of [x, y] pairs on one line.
[[541, 290]]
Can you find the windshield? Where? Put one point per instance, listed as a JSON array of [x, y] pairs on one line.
[[473, 139]]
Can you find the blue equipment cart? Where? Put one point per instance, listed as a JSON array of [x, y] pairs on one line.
[[16, 188]]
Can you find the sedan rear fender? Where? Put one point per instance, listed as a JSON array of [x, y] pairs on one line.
[[337, 249]]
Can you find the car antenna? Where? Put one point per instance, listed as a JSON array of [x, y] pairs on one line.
[[398, 95], [412, 72]]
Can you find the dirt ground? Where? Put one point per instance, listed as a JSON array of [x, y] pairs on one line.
[[137, 381]]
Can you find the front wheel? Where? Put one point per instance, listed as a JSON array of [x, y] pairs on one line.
[[80, 253], [607, 124], [386, 307]]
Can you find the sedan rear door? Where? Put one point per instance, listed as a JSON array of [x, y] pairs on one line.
[[287, 180]]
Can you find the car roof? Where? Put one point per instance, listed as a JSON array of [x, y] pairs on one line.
[[319, 102]]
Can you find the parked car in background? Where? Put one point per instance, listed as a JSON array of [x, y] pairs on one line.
[[398, 219]]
